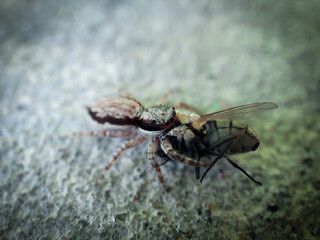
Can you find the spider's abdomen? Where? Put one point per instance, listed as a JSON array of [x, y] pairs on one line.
[[116, 110]]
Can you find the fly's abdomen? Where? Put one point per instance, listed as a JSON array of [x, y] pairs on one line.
[[215, 134], [218, 134], [245, 138]]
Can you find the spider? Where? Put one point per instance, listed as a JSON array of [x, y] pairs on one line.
[[139, 125], [171, 133]]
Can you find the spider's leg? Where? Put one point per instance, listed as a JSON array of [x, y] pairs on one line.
[[242, 170], [187, 107], [105, 133], [130, 144], [124, 93], [152, 149], [174, 155], [229, 140], [163, 99]]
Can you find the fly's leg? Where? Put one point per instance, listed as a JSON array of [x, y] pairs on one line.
[[130, 144], [228, 140], [242, 170], [105, 133], [221, 141], [197, 169], [152, 149], [174, 155], [164, 162]]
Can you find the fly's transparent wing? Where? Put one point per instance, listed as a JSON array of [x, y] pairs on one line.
[[236, 113], [239, 111]]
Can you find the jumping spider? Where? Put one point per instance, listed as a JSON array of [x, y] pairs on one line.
[[182, 137]]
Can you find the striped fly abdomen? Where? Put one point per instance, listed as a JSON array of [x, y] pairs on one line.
[[217, 133], [246, 139]]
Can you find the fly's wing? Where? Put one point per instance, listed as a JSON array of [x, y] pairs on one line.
[[116, 110], [235, 112]]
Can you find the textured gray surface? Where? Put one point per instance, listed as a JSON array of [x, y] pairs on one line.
[[57, 57]]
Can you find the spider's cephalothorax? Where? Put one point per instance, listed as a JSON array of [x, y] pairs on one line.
[[157, 118]]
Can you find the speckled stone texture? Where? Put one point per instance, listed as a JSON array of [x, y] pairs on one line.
[[56, 57]]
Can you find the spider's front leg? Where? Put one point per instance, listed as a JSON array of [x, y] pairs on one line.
[[130, 144], [163, 99], [174, 155], [187, 107], [152, 149], [125, 133], [181, 105]]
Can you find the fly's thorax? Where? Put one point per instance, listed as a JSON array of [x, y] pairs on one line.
[[157, 118], [211, 133], [216, 129]]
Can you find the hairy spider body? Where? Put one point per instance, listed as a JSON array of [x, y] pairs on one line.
[[116, 110], [140, 125], [157, 118], [181, 137]]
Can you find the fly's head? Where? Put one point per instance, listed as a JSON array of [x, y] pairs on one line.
[[157, 118], [182, 132]]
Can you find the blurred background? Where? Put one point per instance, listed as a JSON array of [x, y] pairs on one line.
[[56, 57]]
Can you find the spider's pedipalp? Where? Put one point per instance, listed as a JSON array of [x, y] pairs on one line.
[[174, 155]]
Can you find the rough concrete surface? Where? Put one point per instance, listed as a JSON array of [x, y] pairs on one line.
[[58, 56]]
